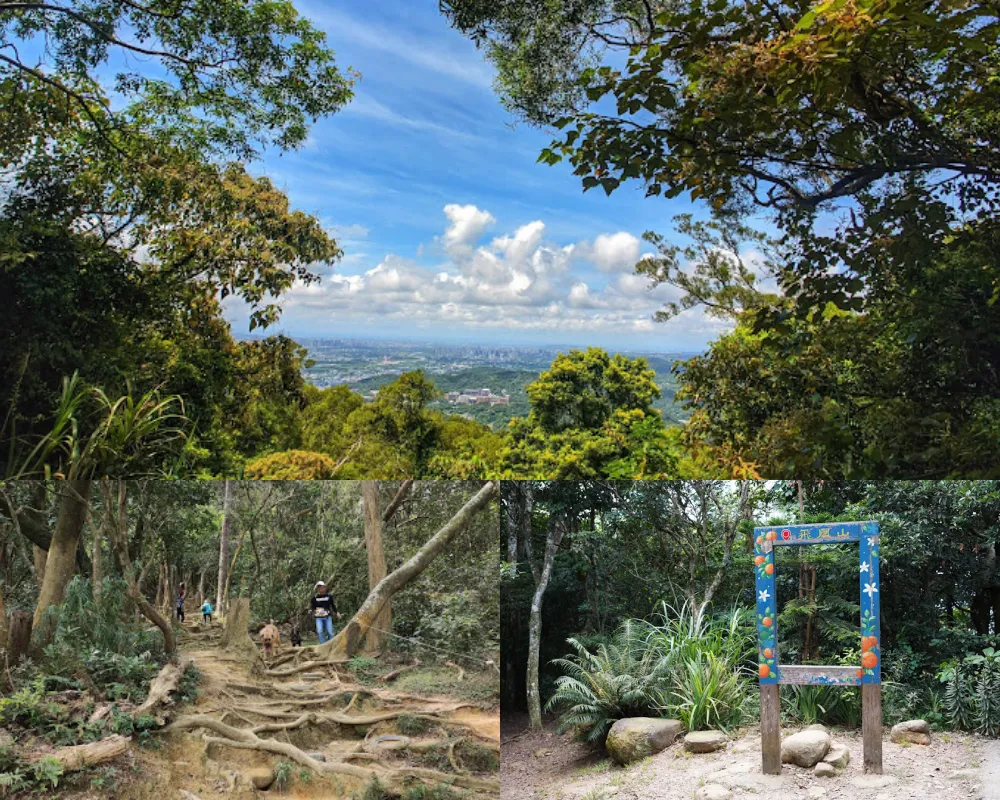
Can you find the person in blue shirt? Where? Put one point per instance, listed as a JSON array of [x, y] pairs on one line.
[[206, 612], [323, 607]]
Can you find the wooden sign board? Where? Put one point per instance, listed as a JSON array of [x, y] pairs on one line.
[[867, 675]]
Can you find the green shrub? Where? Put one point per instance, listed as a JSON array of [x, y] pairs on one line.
[[971, 699], [282, 775], [411, 725], [681, 664]]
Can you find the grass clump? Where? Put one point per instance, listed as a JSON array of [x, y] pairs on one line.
[[412, 725]]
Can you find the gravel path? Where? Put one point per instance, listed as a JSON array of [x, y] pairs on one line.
[[545, 765], [991, 770]]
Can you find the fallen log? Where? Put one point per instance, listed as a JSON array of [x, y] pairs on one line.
[[160, 689], [81, 756]]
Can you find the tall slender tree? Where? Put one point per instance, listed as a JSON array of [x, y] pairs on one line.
[[227, 511]]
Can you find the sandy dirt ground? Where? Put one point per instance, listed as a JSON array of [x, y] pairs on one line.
[[546, 766]]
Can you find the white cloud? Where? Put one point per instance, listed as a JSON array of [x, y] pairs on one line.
[[518, 281], [468, 223], [613, 252]]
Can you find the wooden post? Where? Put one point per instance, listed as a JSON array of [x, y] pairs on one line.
[[871, 726], [770, 729]]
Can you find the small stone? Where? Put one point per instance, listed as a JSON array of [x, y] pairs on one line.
[[712, 791], [816, 793], [260, 777], [705, 741], [915, 725], [317, 756], [806, 748], [635, 738], [838, 755], [824, 770], [541, 752]]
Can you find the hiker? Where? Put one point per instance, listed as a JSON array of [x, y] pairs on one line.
[[180, 603], [206, 613], [322, 606]]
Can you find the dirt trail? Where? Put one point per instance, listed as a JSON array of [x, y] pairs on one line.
[[991, 771], [312, 709], [546, 765]]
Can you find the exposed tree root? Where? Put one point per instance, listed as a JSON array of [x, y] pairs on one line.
[[391, 676], [306, 667], [461, 671], [229, 736], [432, 715]]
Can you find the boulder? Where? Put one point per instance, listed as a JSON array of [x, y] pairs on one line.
[[838, 755], [914, 731], [260, 777], [712, 791], [824, 770], [806, 748], [637, 737], [704, 741], [817, 727]]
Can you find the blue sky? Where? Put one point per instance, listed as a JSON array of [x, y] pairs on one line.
[[450, 229]]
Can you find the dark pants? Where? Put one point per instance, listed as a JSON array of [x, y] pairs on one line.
[[180, 613], [206, 618]]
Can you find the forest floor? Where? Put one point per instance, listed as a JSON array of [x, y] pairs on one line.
[[549, 766], [425, 705]]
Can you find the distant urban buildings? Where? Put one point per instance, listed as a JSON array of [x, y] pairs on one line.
[[469, 397]]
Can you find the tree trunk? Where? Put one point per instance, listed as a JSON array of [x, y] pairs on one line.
[[552, 541], [39, 555], [397, 501], [227, 511], [375, 641], [346, 642], [201, 588], [118, 535], [74, 499], [18, 636], [96, 567], [3, 620]]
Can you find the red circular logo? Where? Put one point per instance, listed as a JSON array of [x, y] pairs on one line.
[[785, 534]]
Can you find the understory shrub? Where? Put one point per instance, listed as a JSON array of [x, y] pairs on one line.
[[681, 664], [971, 698]]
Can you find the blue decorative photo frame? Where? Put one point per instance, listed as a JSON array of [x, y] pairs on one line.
[[867, 674]]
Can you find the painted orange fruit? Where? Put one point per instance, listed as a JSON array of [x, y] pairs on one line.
[[869, 660], [860, 673], [769, 569], [765, 670], [867, 643], [767, 622], [768, 652], [759, 560], [771, 536], [760, 540]]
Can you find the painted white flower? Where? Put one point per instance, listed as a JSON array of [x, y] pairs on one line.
[[864, 567], [764, 595], [872, 541], [870, 589]]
